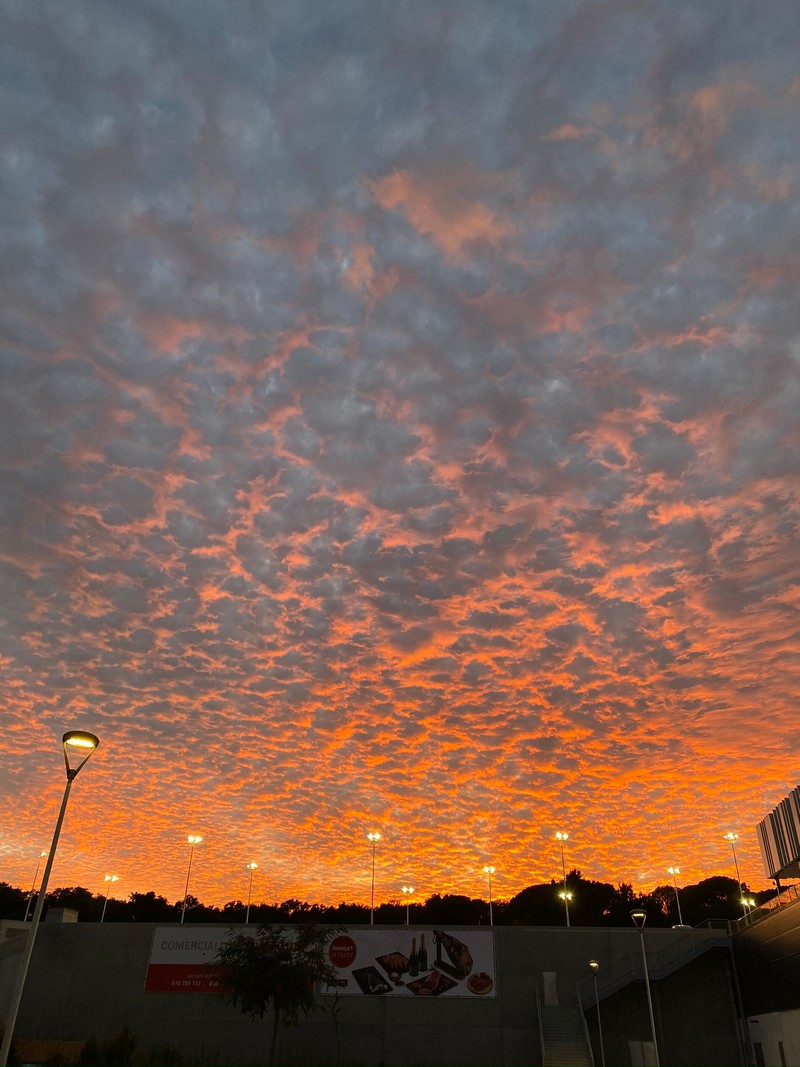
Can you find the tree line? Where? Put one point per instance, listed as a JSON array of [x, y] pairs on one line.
[[592, 903]]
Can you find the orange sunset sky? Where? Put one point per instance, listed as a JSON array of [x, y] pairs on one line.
[[401, 433]]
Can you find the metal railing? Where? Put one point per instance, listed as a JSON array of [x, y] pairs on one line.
[[686, 945]]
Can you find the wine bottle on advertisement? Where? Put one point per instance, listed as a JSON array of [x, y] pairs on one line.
[[413, 962], [422, 955]]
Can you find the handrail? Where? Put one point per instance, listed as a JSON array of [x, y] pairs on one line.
[[539, 1017], [660, 963]]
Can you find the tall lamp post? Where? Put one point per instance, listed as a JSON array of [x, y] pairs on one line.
[[407, 892], [193, 839], [78, 747], [595, 967], [732, 838], [374, 838], [639, 917], [110, 878], [33, 886], [565, 894], [675, 871], [490, 871], [252, 867]]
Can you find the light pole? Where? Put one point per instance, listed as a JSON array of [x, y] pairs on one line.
[[193, 839], [639, 917], [110, 878], [595, 967], [733, 838], [374, 838], [78, 747], [33, 886], [490, 872], [675, 871], [407, 891], [251, 868], [565, 895]]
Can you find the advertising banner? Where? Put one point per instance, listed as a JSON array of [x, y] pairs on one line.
[[415, 961], [376, 961], [180, 958]]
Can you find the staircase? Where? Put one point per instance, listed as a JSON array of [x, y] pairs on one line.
[[564, 1042]]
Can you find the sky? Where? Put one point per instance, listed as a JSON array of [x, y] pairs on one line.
[[400, 433]]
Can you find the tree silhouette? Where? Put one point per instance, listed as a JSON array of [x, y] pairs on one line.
[[275, 967]]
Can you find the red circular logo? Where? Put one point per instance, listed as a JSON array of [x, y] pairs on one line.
[[342, 951]]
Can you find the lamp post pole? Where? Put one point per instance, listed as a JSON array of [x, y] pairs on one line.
[[490, 871], [407, 891], [561, 838], [374, 838], [675, 871], [193, 840], [33, 886], [639, 918], [251, 868], [75, 743], [110, 878], [595, 967], [733, 838]]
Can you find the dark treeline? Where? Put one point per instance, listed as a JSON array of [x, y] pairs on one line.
[[592, 904]]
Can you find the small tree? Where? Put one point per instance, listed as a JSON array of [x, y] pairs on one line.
[[277, 967]]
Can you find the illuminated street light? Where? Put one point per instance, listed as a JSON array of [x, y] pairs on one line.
[[732, 838], [33, 885], [374, 838], [251, 867], [490, 872], [639, 917], [78, 747], [595, 967], [407, 891], [193, 839], [565, 896], [110, 878], [675, 871]]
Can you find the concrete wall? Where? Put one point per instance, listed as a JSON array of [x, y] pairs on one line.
[[86, 980]]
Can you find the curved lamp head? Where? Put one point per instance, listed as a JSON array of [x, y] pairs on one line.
[[639, 916], [408, 889], [731, 836], [252, 866], [565, 896], [673, 870], [489, 870], [561, 836], [373, 837], [111, 878], [595, 966], [194, 839], [78, 746]]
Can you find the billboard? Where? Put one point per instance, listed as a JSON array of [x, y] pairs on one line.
[[180, 957], [415, 961], [374, 961]]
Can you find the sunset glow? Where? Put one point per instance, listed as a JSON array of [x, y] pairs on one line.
[[401, 436]]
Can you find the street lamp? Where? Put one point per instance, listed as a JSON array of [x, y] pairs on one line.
[[639, 917], [733, 838], [675, 871], [595, 967], [33, 885], [407, 891], [251, 867], [78, 747], [374, 838], [193, 839], [565, 896], [490, 872], [110, 878]]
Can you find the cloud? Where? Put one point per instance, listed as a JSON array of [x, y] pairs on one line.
[[400, 427]]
